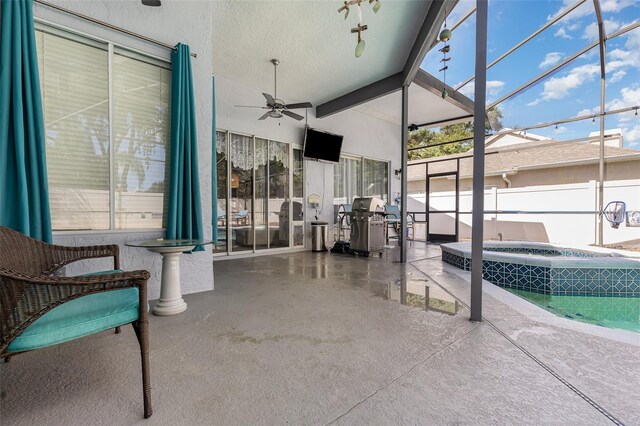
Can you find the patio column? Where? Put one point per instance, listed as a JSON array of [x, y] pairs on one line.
[[404, 126], [477, 221]]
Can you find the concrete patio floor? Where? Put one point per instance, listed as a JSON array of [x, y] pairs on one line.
[[310, 338]]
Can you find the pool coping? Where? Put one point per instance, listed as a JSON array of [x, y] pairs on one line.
[[604, 259]]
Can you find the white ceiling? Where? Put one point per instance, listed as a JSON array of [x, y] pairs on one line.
[[424, 107], [313, 43]]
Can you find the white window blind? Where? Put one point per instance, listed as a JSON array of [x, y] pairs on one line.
[[103, 174], [75, 94], [141, 92]]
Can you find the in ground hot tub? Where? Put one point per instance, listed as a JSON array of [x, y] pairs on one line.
[[548, 269]]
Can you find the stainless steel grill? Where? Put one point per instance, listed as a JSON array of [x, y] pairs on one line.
[[367, 226]]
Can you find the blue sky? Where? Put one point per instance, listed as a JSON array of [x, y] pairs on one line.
[[572, 91]]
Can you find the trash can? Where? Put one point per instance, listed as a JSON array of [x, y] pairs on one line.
[[319, 236]]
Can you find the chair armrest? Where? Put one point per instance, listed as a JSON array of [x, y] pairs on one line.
[[64, 255], [24, 297]]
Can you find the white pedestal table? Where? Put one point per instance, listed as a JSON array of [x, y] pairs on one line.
[[170, 302]]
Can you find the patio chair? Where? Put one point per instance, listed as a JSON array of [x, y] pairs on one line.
[[344, 221], [392, 219], [241, 217], [38, 309]]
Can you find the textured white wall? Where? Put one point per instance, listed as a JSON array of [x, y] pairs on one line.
[[185, 21], [580, 229], [363, 135]]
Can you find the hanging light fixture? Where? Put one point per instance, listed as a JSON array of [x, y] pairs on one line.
[[360, 27], [444, 37]]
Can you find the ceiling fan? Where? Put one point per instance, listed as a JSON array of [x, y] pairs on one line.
[[277, 107]]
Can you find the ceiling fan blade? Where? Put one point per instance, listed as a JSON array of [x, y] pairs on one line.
[[265, 116], [299, 105], [269, 98], [251, 106], [292, 115]]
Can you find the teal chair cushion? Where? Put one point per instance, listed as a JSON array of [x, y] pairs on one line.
[[111, 271], [79, 317]]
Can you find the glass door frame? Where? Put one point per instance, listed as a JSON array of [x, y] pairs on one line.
[[228, 228]]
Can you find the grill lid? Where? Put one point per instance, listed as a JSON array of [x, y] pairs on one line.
[[368, 204]]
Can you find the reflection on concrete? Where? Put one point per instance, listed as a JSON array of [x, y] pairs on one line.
[[423, 294]]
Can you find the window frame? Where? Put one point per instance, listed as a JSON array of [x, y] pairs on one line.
[[112, 48], [362, 159]]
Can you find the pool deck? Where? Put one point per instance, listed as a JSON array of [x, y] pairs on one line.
[[600, 362], [312, 338]]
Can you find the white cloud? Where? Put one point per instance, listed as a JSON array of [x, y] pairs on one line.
[[493, 88], [591, 31], [619, 54], [562, 33], [617, 76], [559, 87], [615, 5], [587, 9], [631, 136], [574, 26], [629, 97], [550, 59], [588, 111], [582, 10], [560, 130]]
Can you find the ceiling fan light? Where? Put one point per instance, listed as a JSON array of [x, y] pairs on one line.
[[376, 6], [359, 48], [275, 114]]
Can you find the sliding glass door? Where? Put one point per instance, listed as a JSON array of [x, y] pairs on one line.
[[260, 194], [221, 201], [279, 219], [241, 200]]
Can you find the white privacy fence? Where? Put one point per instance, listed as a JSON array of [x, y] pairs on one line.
[[574, 228]]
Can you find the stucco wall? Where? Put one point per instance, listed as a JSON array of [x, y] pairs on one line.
[[183, 21], [363, 135], [558, 175]]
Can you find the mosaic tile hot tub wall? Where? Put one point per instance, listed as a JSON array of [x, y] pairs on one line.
[[568, 281]]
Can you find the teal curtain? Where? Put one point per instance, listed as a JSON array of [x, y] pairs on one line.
[[24, 194], [214, 166], [184, 215]]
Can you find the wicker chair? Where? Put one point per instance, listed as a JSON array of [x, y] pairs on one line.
[[38, 309]]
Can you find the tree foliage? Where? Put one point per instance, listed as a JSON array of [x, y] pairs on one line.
[[452, 132]]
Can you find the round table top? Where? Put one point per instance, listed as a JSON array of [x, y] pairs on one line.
[[159, 243]]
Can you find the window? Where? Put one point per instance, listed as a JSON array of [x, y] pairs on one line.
[[357, 176], [106, 114]]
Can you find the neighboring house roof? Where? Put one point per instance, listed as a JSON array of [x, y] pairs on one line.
[[533, 155], [518, 137]]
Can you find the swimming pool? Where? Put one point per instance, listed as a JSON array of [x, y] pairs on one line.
[[568, 282]]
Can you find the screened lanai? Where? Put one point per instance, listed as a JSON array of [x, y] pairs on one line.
[[561, 101]]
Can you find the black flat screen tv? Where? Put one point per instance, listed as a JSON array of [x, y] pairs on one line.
[[324, 146]]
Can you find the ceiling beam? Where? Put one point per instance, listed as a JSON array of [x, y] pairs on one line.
[[425, 39], [431, 84], [364, 94]]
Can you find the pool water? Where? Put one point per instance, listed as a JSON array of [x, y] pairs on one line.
[[612, 312]]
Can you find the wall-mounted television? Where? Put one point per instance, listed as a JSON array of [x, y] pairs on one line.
[[324, 146]]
